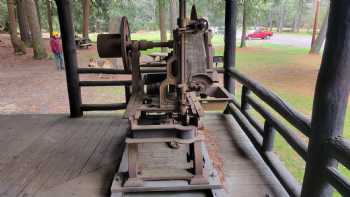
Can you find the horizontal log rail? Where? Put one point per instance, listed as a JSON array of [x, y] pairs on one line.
[[295, 118], [102, 71], [280, 171], [339, 149], [117, 71], [104, 83], [291, 137], [110, 71], [338, 181], [255, 97], [103, 107]]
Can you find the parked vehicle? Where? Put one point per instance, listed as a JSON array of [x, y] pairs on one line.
[[260, 34]]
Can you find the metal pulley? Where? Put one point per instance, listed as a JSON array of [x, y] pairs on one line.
[[125, 40], [116, 45]]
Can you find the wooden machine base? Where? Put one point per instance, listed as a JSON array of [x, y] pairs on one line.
[[177, 186]]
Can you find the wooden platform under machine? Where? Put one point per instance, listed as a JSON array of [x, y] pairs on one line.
[[164, 172]]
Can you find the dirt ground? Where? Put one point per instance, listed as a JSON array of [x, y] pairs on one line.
[[35, 86]]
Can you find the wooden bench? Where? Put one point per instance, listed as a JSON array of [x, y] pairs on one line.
[[218, 60], [82, 43]]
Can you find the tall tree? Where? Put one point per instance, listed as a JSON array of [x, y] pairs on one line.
[[23, 23], [298, 16], [173, 14], [316, 47], [315, 24], [244, 23], [38, 11], [86, 15], [282, 15], [17, 44], [270, 18], [49, 15], [162, 22], [34, 25]]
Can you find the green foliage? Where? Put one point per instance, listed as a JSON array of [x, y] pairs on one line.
[[142, 14], [43, 16], [3, 11]]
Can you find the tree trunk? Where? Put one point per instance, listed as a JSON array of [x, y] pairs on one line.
[[33, 20], [315, 24], [49, 15], [316, 47], [244, 25], [162, 21], [23, 23], [17, 43], [173, 14], [86, 15], [270, 19], [98, 26], [298, 16], [38, 12], [281, 18], [114, 24]]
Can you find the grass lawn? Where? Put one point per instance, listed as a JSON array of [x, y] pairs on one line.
[[290, 72]]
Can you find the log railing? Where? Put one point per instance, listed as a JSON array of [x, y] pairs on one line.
[[339, 149], [254, 96], [117, 83]]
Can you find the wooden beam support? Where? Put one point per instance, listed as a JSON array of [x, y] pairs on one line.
[[230, 43], [330, 101], [70, 56], [104, 83], [103, 107]]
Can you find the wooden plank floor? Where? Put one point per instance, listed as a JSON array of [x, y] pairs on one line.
[[246, 174], [52, 155]]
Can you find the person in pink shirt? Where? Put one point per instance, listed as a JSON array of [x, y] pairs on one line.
[[56, 49]]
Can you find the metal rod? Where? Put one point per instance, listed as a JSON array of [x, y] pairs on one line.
[[230, 43], [330, 101], [70, 56]]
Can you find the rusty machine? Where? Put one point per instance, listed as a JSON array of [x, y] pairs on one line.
[[166, 106]]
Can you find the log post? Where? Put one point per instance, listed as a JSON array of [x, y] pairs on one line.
[[269, 137], [70, 56], [244, 102], [230, 43], [330, 101]]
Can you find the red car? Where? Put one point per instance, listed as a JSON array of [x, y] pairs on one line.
[[261, 34]]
